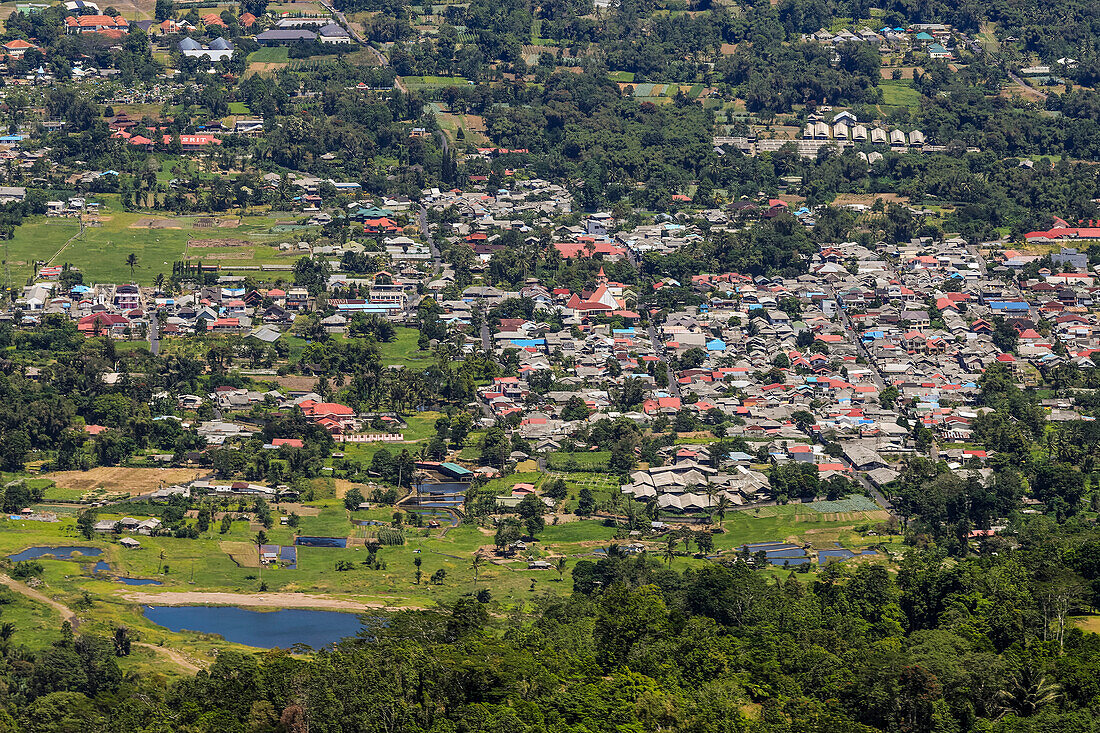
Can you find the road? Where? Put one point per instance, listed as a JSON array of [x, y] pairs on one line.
[[154, 334], [67, 614], [382, 60], [1025, 85], [437, 258], [658, 349]]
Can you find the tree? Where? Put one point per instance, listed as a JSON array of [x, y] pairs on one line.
[[85, 522], [508, 532], [122, 640], [438, 576], [705, 540], [477, 562], [575, 409], [721, 507], [1026, 692], [560, 565], [670, 549], [131, 262], [353, 498], [586, 502]]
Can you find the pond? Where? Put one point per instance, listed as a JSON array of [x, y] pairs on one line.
[[60, 553], [264, 629], [321, 541], [138, 581]]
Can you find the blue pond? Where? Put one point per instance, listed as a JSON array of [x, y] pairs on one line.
[[266, 630], [138, 581], [321, 541], [101, 567], [61, 553]]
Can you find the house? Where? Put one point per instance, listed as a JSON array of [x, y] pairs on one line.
[[218, 50], [17, 48], [96, 24], [192, 143], [284, 37], [9, 194], [333, 33]]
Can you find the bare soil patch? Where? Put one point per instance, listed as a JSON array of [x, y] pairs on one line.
[[250, 600], [133, 480], [151, 223], [212, 243]]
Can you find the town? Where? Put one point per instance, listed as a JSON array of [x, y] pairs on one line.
[[710, 367]]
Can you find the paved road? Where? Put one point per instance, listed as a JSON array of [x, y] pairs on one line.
[[382, 60], [658, 349], [437, 258], [1025, 85], [154, 334]]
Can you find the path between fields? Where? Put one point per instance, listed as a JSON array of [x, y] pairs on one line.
[[67, 614], [253, 600], [172, 654]]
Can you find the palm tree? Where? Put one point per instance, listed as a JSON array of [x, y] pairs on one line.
[[159, 281], [131, 260], [721, 507], [1026, 692], [6, 630], [670, 549], [476, 563]]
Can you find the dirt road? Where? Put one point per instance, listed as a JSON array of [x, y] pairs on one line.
[[67, 614], [171, 654]]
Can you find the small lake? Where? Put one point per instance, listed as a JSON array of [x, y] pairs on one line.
[[138, 581], [60, 553], [264, 629]]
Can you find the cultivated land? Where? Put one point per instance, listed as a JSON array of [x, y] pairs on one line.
[[221, 568]]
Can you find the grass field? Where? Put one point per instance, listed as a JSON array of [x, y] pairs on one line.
[[433, 82], [899, 94], [270, 55], [404, 350], [101, 251]]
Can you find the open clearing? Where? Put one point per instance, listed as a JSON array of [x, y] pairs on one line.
[[134, 480], [249, 600]]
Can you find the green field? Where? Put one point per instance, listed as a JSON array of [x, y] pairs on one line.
[[404, 350], [101, 251], [420, 82], [899, 94], [270, 55]]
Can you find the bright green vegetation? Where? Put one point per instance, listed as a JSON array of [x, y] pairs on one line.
[[430, 82], [403, 350], [101, 251], [899, 93], [270, 55]]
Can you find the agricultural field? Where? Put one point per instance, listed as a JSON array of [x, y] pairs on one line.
[[198, 570], [899, 94]]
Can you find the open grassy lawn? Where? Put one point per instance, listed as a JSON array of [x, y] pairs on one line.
[[433, 82], [899, 93], [101, 251], [404, 351], [270, 55]]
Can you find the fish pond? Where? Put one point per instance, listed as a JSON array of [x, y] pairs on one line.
[[264, 629]]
